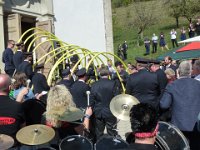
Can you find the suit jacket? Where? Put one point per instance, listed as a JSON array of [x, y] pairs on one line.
[[144, 86], [8, 59], [26, 68], [78, 91], [39, 82], [162, 79], [67, 83], [184, 97], [18, 58], [101, 95]]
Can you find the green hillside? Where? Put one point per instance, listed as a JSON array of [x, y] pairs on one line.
[[124, 29]]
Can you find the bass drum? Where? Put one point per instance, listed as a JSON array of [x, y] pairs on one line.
[[76, 142], [110, 143], [46, 148], [33, 110], [170, 137]]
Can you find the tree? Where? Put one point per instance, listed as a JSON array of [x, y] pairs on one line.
[[190, 9], [175, 10], [145, 15], [183, 8]]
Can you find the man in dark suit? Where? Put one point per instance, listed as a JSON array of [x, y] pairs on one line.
[[67, 80], [102, 92], [144, 84], [26, 66], [162, 78], [18, 57], [8, 58], [168, 64], [183, 97], [79, 88], [122, 73], [39, 81]]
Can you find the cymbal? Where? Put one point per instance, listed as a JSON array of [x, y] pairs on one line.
[[35, 134], [121, 105], [71, 114], [6, 141]]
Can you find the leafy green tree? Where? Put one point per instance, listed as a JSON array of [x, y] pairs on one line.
[[145, 15]]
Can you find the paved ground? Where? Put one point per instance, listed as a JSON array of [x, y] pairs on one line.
[[123, 127]]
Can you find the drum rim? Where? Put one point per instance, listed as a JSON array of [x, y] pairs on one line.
[[104, 136], [71, 136], [178, 132]]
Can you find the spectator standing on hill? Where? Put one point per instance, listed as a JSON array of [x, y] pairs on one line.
[[162, 42], [147, 46], [124, 49], [183, 34], [191, 30], [197, 27], [119, 52], [173, 34], [154, 43]]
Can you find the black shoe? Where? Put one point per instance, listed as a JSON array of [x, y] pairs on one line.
[[146, 54]]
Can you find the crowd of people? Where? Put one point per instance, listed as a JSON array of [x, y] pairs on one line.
[[167, 91], [155, 41]]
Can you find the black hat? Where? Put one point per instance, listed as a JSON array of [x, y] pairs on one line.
[[154, 61], [27, 53], [81, 72], [39, 66], [142, 60], [20, 44], [65, 72], [118, 63]]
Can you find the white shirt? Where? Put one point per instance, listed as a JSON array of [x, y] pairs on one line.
[[173, 35], [155, 39]]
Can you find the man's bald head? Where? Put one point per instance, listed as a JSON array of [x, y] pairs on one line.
[[5, 82]]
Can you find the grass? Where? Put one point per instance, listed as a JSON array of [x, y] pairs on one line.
[[124, 30]]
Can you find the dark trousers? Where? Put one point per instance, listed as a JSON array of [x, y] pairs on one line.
[[154, 46], [147, 49], [193, 138], [10, 72], [125, 55], [110, 124], [174, 42]]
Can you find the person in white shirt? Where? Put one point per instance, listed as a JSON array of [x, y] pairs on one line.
[[154, 43], [173, 38]]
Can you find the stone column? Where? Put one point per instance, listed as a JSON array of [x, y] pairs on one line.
[[2, 46], [108, 26]]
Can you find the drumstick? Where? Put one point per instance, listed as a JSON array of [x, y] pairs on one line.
[[88, 98], [28, 83]]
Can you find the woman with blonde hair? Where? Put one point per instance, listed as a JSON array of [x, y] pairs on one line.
[[60, 100]]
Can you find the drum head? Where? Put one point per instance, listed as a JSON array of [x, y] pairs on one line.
[[110, 143], [75, 142], [170, 138]]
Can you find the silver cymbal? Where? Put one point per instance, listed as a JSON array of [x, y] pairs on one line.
[[35, 134], [121, 105], [6, 141]]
